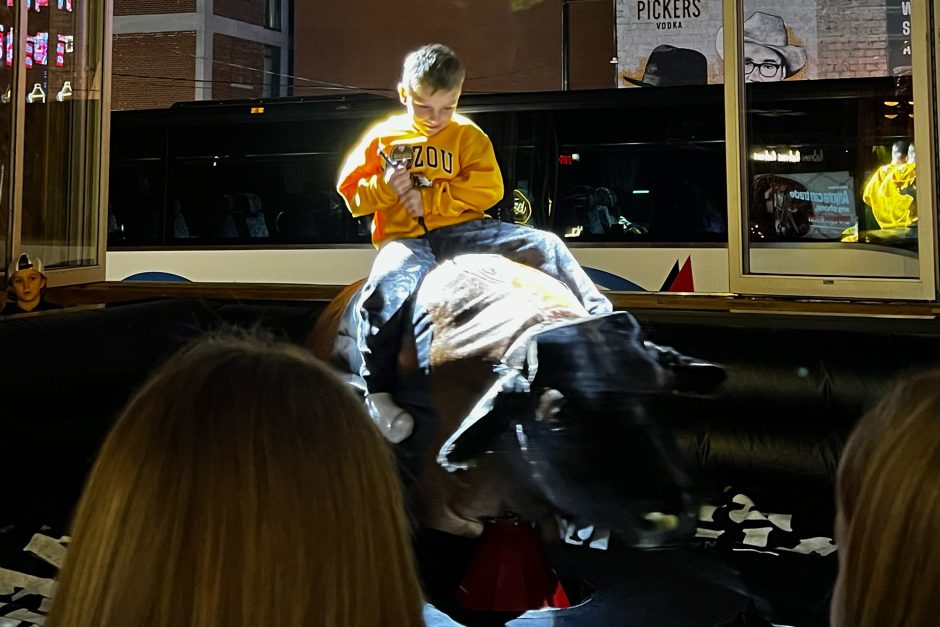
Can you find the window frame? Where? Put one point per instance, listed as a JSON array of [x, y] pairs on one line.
[[921, 288], [99, 18]]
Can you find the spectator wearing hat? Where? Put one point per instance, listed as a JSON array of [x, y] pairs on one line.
[[26, 285], [768, 57], [668, 66]]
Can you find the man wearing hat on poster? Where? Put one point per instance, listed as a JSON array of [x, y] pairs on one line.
[[768, 57], [668, 66], [26, 284]]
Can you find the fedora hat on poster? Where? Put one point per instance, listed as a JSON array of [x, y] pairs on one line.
[[771, 32], [668, 66]]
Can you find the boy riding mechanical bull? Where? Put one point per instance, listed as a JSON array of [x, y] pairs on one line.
[[427, 176], [515, 336]]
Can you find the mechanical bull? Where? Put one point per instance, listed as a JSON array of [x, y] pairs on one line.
[[525, 404]]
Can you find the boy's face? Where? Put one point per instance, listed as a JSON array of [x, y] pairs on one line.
[[431, 112], [27, 285]]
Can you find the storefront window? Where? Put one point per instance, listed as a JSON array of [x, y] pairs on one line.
[[7, 19], [831, 164], [65, 72]]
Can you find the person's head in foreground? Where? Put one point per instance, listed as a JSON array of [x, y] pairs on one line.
[[241, 486], [430, 87], [888, 516]]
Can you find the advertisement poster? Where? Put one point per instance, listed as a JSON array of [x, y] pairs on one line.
[[817, 205], [680, 42], [899, 36]]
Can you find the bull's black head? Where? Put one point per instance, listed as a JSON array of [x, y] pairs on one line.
[[578, 412]]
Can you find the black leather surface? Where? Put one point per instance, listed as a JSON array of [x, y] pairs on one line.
[[66, 374], [773, 430], [795, 387]]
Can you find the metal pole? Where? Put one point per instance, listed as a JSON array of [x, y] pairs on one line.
[[615, 61], [564, 44]]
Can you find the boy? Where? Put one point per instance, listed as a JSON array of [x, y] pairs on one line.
[[26, 284], [428, 175]]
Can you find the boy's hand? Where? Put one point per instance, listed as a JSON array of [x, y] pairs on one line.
[[398, 179], [412, 203]]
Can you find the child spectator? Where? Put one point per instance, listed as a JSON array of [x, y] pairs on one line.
[[26, 286]]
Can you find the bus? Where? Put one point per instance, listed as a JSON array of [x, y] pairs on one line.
[[633, 180]]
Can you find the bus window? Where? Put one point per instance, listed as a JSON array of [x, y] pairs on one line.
[[520, 143], [254, 183], [642, 174], [136, 204], [137, 183]]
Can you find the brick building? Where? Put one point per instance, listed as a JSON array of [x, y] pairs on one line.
[[517, 45], [507, 45], [171, 50], [166, 51]]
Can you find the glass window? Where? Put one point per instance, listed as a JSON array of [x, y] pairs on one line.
[[571, 165], [568, 166], [272, 14], [264, 182], [831, 168], [7, 20], [272, 72], [137, 184], [659, 182], [823, 175], [63, 131]]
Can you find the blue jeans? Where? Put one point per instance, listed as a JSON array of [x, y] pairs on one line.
[[433, 617], [400, 266]]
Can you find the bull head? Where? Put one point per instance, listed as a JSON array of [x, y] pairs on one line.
[[577, 411]]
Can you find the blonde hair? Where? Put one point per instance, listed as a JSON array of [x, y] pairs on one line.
[[241, 486], [889, 512], [434, 67]]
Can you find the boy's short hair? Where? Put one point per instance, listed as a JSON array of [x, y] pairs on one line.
[[433, 66]]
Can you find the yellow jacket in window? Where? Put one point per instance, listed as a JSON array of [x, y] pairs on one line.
[[455, 170], [890, 192]]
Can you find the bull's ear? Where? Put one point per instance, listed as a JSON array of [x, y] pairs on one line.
[[506, 400], [688, 375]]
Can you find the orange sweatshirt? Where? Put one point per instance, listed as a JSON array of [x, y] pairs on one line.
[[458, 163]]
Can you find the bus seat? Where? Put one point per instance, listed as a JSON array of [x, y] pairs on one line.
[[223, 220], [249, 218], [297, 224], [180, 226]]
